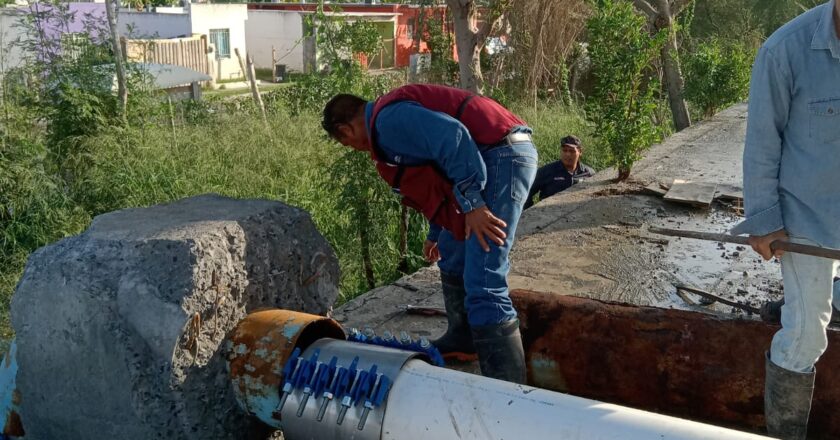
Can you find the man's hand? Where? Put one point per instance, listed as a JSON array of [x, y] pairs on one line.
[[430, 251], [483, 223], [761, 244]]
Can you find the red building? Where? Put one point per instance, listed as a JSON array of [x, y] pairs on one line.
[[397, 25]]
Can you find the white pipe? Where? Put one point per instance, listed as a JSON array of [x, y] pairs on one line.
[[427, 402]]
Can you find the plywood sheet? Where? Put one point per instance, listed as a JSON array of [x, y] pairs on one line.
[[698, 194], [729, 192]]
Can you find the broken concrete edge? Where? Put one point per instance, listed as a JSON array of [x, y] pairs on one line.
[[125, 323]]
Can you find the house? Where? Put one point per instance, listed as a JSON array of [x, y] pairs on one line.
[[222, 25], [11, 56], [167, 33], [275, 33]]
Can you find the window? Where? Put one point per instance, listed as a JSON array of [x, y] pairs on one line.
[[220, 38]]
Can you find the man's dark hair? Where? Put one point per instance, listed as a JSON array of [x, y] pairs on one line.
[[571, 140], [341, 109]]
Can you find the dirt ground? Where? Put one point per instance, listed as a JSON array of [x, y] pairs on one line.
[[593, 241]]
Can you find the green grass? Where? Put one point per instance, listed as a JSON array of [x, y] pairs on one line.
[[230, 152], [265, 74], [552, 122]]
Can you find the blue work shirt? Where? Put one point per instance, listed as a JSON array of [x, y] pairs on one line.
[[792, 151], [409, 134], [554, 178]]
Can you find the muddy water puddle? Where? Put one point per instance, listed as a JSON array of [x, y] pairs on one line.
[[731, 271]]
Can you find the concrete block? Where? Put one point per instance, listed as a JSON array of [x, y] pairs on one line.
[[120, 329]]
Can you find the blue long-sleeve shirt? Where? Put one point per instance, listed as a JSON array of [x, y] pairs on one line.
[[409, 134], [792, 151]]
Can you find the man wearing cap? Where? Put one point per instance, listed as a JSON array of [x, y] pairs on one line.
[[791, 177], [562, 174]]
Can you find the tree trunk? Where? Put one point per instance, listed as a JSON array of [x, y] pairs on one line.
[[671, 65], [402, 266], [464, 14], [247, 66], [623, 174], [119, 61], [364, 238]]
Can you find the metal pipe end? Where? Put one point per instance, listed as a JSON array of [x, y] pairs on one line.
[[259, 347]]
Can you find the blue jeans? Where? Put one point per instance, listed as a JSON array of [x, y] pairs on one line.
[[510, 173], [809, 288]]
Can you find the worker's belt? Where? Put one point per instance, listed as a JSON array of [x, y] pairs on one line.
[[510, 139]]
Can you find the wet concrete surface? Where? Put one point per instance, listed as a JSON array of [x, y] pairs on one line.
[[592, 241]]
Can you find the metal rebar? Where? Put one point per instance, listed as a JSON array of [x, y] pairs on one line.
[[804, 249]]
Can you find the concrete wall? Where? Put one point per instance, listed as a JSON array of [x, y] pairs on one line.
[[10, 55], [82, 17], [281, 29], [204, 17], [134, 24]]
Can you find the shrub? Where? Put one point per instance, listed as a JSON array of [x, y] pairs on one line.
[[623, 106], [717, 74]]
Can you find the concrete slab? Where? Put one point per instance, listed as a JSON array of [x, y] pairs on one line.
[[592, 240]]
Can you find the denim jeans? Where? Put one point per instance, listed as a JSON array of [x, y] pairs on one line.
[[809, 288], [510, 173]]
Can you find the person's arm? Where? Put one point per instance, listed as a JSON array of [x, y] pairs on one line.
[[431, 252], [406, 128], [768, 112]]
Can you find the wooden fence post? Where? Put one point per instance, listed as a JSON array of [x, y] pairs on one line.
[[247, 66]]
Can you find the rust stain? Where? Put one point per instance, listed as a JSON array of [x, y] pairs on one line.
[[13, 427], [260, 344], [676, 362]]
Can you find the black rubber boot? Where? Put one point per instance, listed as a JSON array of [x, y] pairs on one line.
[[787, 401], [500, 352], [457, 342], [771, 311]]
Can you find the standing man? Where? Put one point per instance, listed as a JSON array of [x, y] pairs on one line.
[[437, 144], [791, 176], [560, 175]]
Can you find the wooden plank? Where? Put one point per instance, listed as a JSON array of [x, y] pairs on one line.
[[698, 194], [656, 189], [729, 192]]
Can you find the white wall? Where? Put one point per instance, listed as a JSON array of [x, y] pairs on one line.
[[222, 16], [281, 29], [133, 24], [11, 56]]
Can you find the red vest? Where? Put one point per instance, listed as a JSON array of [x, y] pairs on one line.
[[424, 187]]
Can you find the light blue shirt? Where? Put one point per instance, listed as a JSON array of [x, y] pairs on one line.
[[792, 151]]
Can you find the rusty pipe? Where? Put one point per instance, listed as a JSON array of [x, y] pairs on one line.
[[301, 377], [9, 394]]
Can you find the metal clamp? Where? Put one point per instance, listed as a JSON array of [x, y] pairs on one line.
[[376, 397], [289, 376]]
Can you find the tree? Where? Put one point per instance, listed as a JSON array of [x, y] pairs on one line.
[[543, 39], [717, 74], [119, 61], [471, 35], [623, 105], [661, 15]]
